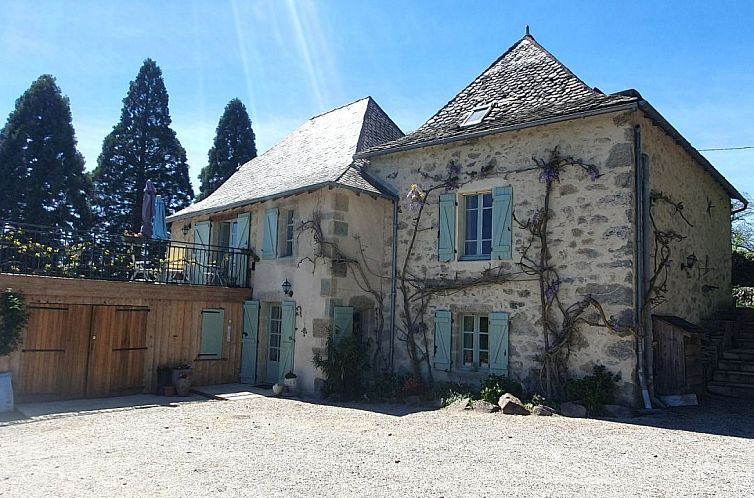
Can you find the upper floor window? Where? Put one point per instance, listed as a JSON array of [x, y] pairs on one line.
[[289, 232], [477, 225], [479, 222]]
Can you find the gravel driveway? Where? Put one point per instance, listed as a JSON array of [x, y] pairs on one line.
[[282, 447]]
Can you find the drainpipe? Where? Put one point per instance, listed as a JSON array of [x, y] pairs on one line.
[[393, 282], [640, 289]]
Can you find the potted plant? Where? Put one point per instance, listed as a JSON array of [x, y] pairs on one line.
[[182, 377], [290, 382]]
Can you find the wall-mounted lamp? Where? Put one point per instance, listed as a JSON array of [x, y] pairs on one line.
[[287, 288], [185, 229], [690, 262], [304, 332]]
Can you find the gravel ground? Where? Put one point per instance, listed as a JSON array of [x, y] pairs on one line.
[[282, 447]]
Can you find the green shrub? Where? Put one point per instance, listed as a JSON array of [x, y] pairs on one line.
[[345, 366], [497, 385], [13, 318], [594, 390]]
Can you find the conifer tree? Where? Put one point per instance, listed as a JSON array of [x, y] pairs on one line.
[[43, 180], [141, 147], [234, 145]]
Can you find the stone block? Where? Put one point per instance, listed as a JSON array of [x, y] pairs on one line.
[[572, 410], [511, 405]]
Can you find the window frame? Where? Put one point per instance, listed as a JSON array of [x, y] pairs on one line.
[[476, 348], [271, 319], [479, 240], [467, 120], [289, 233]]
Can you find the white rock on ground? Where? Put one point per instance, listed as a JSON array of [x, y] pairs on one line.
[[284, 447]]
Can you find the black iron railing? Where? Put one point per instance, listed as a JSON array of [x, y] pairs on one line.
[[50, 251]]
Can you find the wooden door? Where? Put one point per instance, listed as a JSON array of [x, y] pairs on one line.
[[118, 346], [54, 352]]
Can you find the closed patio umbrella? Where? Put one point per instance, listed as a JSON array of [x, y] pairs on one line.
[[147, 209], [160, 226]]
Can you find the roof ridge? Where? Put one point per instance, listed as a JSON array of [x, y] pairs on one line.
[[338, 108]]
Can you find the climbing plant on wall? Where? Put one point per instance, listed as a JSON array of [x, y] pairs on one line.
[[559, 320]]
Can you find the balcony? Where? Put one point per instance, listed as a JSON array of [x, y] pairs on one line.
[[55, 252]]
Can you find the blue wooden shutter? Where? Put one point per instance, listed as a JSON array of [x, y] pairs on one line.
[[499, 343], [501, 222], [442, 340], [212, 334], [249, 341], [342, 322], [446, 246], [287, 337], [240, 263], [270, 239]]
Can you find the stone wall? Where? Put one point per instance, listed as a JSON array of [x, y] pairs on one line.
[[697, 292], [591, 239]]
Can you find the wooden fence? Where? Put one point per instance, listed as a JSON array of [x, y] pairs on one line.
[[88, 338]]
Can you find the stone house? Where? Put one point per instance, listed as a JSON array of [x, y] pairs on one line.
[[310, 178], [639, 222], [428, 243]]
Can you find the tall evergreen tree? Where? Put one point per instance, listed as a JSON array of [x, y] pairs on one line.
[[43, 179], [234, 145], [141, 147]]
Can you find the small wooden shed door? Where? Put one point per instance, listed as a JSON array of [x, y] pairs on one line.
[[118, 346], [53, 356]]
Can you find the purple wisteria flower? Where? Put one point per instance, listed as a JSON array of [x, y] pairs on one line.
[[415, 197], [549, 174], [552, 289], [593, 172], [454, 170]]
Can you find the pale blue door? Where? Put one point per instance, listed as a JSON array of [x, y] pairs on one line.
[[249, 342]]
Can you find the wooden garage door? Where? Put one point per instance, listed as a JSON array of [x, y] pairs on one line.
[[72, 351], [54, 353], [117, 351]]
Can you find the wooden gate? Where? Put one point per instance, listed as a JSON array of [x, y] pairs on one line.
[[72, 351]]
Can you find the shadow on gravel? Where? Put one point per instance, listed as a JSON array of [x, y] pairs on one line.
[[722, 416], [30, 412]]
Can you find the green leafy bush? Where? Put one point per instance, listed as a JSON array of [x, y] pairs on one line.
[[497, 385], [594, 390], [345, 366], [13, 318]]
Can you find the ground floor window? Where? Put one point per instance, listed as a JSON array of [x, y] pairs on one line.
[[475, 341]]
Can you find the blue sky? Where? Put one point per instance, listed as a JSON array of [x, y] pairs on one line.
[[290, 60]]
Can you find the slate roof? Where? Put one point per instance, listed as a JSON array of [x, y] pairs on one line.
[[319, 153], [525, 84]]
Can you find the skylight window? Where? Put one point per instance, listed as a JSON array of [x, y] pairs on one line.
[[476, 116]]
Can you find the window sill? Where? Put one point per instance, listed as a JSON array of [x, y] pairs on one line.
[[483, 257], [211, 359]]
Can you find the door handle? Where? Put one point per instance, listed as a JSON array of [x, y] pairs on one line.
[[245, 334]]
